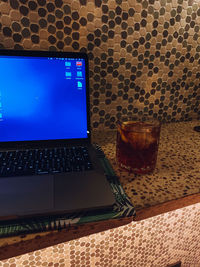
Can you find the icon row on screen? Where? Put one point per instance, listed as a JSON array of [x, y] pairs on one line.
[[78, 63], [69, 74]]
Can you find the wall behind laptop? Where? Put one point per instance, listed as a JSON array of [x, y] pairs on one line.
[[144, 54]]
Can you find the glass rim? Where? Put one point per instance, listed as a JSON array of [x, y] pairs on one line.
[[125, 119], [149, 123]]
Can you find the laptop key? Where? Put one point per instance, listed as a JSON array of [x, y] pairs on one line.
[[56, 171], [88, 166], [77, 168], [42, 172]]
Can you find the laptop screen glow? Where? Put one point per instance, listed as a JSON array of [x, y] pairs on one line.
[[42, 98]]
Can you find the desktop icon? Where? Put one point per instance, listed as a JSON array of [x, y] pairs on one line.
[[68, 74], [80, 84], [68, 64], [79, 73], [78, 63]]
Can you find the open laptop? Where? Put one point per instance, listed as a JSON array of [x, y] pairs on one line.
[[47, 162]]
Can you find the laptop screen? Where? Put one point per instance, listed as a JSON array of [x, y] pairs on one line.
[[43, 97]]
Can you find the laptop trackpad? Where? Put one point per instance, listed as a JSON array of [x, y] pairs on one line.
[[82, 191], [25, 195]]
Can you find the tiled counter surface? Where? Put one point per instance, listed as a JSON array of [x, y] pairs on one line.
[[177, 172], [177, 177]]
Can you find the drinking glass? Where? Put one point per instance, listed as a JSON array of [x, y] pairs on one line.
[[137, 145]]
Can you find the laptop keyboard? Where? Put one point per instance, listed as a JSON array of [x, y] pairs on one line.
[[44, 161]]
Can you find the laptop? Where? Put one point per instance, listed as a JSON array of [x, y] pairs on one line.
[[47, 162]]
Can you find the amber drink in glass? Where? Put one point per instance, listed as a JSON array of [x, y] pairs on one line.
[[137, 145]]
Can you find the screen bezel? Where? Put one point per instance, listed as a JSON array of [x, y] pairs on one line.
[[54, 142]]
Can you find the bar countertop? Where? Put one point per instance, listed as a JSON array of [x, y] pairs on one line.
[[175, 183], [177, 172]]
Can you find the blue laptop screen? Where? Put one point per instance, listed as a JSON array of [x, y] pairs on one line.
[[42, 98]]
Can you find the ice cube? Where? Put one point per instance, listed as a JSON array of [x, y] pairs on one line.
[[140, 140]]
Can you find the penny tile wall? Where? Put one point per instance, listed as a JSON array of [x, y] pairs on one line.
[[144, 54], [154, 242]]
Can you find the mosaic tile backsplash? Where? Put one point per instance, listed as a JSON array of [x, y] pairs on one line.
[[144, 54]]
